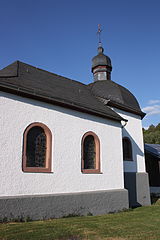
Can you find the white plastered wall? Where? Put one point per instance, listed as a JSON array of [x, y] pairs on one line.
[[67, 127], [133, 130]]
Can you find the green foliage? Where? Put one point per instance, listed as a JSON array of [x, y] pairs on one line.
[[152, 134], [137, 224]]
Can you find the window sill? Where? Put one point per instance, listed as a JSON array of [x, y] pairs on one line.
[[91, 171], [36, 170]]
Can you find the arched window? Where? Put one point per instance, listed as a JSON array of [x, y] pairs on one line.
[[90, 153], [127, 149], [37, 143]]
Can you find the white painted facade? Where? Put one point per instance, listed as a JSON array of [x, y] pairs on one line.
[[133, 130], [67, 127]]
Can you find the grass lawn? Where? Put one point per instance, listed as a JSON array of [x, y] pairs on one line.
[[140, 223]]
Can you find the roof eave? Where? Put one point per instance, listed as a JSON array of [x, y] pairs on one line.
[[32, 95], [153, 154], [126, 108]]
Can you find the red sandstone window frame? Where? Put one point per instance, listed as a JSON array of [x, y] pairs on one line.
[[47, 168], [129, 145], [97, 156]]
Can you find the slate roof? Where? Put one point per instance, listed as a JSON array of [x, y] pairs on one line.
[[25, 80], [153, 149], [116, 95]]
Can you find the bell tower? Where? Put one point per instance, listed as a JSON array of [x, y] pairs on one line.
[[101, 64]]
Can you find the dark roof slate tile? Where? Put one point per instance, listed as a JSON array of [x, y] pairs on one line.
[[28, 81], [117, 95]]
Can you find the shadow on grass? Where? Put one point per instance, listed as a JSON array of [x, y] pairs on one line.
[[155, 199]]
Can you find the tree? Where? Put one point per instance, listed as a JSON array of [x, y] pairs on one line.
[[152, 134]]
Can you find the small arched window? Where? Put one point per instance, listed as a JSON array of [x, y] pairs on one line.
[[127, 149], [37, 143], [90, 153]]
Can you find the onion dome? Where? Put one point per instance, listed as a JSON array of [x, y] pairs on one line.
[[101, 66]]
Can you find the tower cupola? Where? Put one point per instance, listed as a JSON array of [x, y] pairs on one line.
[[101, 64]]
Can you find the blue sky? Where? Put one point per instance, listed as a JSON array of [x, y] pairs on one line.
[[60, 36]]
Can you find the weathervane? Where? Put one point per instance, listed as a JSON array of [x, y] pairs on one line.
[[99, 34]]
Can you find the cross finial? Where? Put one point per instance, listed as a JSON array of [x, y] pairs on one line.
[[99, 35]]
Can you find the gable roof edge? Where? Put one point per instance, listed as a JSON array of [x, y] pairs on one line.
[[21, 92]]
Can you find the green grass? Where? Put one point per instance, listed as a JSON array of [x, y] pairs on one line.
[[140, 223]]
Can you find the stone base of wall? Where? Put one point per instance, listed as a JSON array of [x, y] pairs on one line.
[[61, 205], [138, 188]]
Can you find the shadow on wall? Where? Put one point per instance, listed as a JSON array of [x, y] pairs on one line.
[[133, 181], [130, 183], [136, 151]]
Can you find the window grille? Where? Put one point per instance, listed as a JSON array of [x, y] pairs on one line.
[[37, 144], [89, 153], [36, 147]]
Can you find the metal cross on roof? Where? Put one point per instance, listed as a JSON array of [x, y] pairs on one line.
[[99, 34]]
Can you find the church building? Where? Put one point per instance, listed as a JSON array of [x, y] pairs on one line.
[[68, 148]]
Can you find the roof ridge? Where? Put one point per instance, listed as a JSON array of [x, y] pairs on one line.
[[20, 62]]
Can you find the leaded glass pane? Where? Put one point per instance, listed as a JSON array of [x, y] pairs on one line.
[[36, 147], [89, 153]]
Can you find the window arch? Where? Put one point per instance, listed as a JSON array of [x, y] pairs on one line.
[[127, 149], [37, 144], [90, 153]]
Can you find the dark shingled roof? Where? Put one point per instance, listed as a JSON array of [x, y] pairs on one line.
[[28, 81], [116, 95], [153, 149]]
